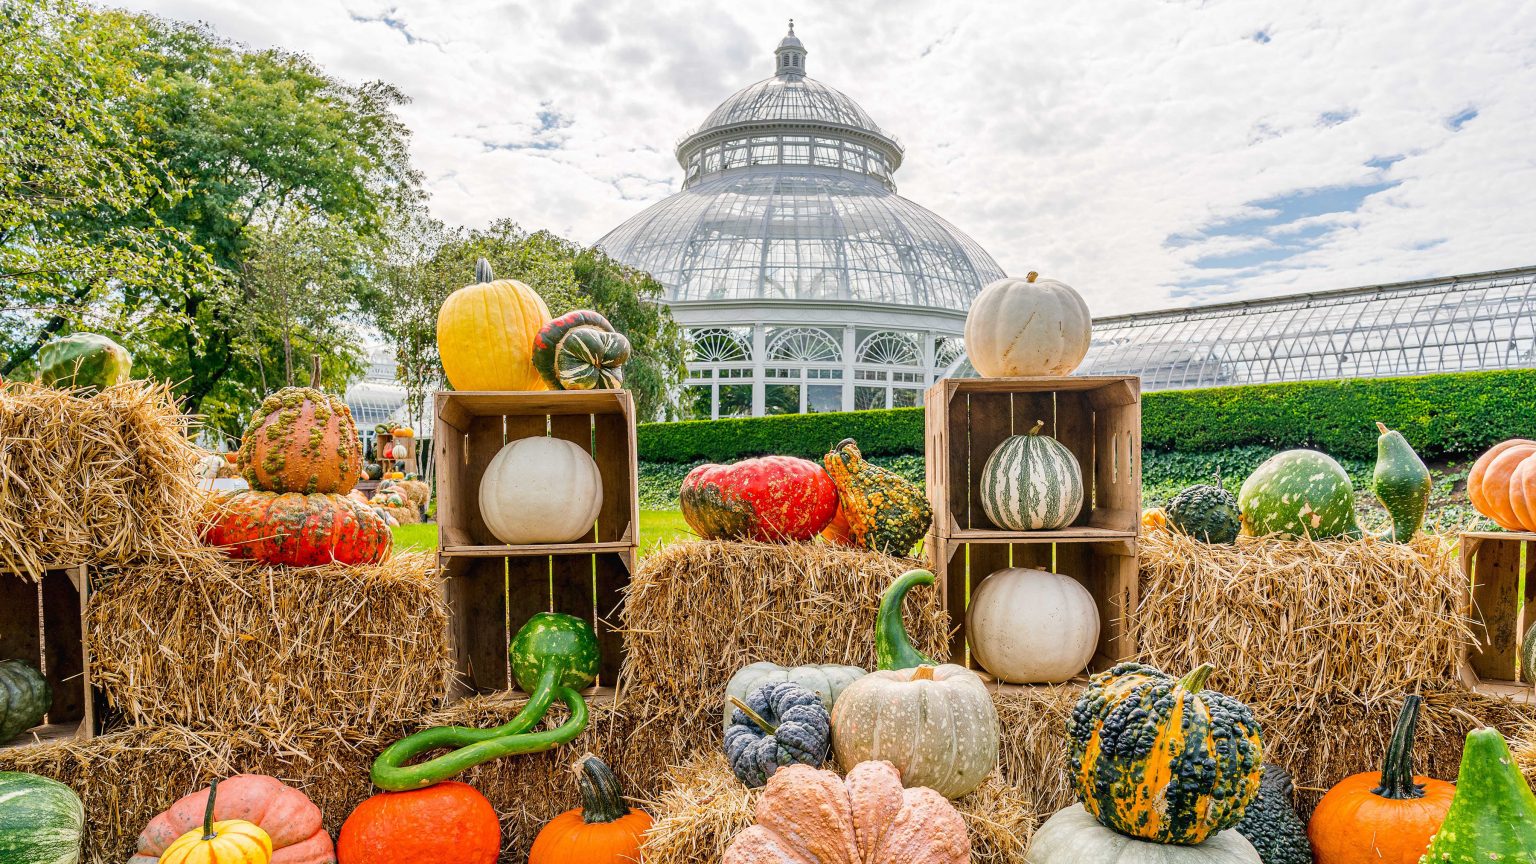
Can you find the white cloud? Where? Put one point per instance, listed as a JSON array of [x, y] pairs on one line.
[[1073, 139]]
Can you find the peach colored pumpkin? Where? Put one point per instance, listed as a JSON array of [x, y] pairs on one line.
[[1492, 483], [807, 814], [286, 814]]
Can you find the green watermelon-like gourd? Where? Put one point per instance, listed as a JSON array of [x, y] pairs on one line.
[[1401, 483], [1207, 513], [580, 350], [1299, 493], [83, 360], [1493, 815], [24, 698], [1031, 482], [41, 821]]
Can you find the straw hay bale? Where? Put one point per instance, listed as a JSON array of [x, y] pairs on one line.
[[1033, 755], [704, 806], [99, 480], [415, 491], [223, 643], [1524, 746]]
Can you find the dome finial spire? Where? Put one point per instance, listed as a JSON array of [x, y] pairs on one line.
[[789, 57]]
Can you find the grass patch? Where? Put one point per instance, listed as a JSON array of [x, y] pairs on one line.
[[657, 528], [414, 537]]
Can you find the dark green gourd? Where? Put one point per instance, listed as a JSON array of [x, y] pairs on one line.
[[1271, 824]]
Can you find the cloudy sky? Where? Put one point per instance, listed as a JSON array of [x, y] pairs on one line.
[[1151, 154]]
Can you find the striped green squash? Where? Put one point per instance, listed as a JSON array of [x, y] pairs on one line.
[[41, 820], [1031, 482]]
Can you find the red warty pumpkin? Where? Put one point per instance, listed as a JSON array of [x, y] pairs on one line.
[[299, 530], [301, 440], [286, 814], [772, 499], [449, 823]]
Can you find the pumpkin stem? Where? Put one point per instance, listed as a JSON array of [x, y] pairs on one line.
[[208, 813], [846, 442], [1035, 429], [922, 673], [483, 271], [1032, 276], [1383, 427], [601, 798], [1194, 682], [1397, 773], [756, 718]]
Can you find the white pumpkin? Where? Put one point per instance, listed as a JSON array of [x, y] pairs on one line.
[[1031, 626], [1019, 327], [1073, 836], [541, 490]]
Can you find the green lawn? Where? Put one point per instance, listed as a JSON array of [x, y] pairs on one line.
[[657, 527]]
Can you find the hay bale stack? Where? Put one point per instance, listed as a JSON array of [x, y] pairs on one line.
[[704, 806], [695, 612], [1033, 755], [1524, 746], [416, 491], [223, 644], [103, 480]]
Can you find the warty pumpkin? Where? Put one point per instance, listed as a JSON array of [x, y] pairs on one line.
[[292, 822], [297, 530], [806, 815], [1073, 836], [1162, 758], [541, 490], [1270, 822], [1502, 486], [937, 725], [603, 830], [231, 841], [780, 723], [301, 440], [885, 512], [1384, 817], [771, 499], [827, 681], [449, 823], [1027, 326], [485, 334]]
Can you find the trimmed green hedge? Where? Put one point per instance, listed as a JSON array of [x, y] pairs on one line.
[[1441, 415]]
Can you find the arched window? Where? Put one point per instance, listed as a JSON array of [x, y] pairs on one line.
[[804, 345], [890, 349], [719, 345]]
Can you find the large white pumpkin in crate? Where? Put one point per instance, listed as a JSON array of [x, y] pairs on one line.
[[541, 490], [1031, 626], [1023, 327]]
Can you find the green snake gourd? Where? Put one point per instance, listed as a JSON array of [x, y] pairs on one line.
[[893, 647]]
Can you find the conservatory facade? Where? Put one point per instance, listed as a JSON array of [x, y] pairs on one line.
[[804, 281]]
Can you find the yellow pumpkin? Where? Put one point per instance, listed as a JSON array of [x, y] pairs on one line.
[[1154, 519], [485, 334], [233, 841]]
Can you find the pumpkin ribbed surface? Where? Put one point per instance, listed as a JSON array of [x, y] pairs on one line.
[[884, 511], [1027, 327], [1031, 482], [541, 490], [447, 823], [1502, 484], [603, 830], [24, 698], [1073, 836], [41, 820], [772, 499], [301, 440], [292, 822], [826, 681], [298, 530], [780, 723], [485, 334], [1160, 758], [233, 841]]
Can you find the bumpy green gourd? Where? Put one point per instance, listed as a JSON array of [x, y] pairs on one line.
[[1207, 513], [1493, 816], [893, 647], [1270, 822], [553, 655], [83, 360], [1401, 484]]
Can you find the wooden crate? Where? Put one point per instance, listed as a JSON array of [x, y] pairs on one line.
[[473, 426], [1498, 566], [1098, 418], [491, 596], [1107, 568], [43, 622]]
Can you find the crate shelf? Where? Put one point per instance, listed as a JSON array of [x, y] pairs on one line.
[[43, 622], [1097, 418], [1496, 563]]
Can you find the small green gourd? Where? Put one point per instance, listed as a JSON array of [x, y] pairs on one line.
[[1401, 483], [1270, 822], [1493, 815]]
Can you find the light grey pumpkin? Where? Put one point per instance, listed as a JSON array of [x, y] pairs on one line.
[[827, 681], [1073, 836]]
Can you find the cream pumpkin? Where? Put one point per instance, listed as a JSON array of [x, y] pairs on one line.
[[937, 725], [1019, 327], [1073, 836], [810, 815], [485, 334], [1032, 627], [541, 490]]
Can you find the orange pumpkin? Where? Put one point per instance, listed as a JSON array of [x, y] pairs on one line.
[[1154, 519], [1499, 479], [1382, 818], [449, 823], [230, 841], [838, 532], [301, 440], [603, 830], [291, 821]]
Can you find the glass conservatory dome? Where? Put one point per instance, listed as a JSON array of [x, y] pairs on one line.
[[789, 222]]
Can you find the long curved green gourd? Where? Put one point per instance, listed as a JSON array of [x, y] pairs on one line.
[[1493, 815], [553, 656], [893, 647]]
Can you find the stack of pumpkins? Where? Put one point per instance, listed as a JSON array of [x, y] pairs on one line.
[[301, 455]]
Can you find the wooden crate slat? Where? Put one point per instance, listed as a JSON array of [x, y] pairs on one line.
[[613, 447], [957, 428], [43, 622], [991, 422], [611, 575], [1074, 429], [1495, 605]]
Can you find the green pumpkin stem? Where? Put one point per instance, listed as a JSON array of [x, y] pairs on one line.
[[208, 813], [601, 798], [483, 272], [1194, 682], [756, 718], [1035, 429], [1397, 772]]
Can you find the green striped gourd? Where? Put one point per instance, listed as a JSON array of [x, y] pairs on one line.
[[24, 698], [41, 820], [1299, 493], [1031, 482], [83, 360]]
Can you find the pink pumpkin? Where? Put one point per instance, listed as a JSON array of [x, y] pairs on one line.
[[286, 814]]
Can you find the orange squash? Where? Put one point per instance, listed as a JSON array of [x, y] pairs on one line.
[[603, 830], [301, 440], [448, 823], [1493, 483], [231, 841], [1382, 818], [292, 822]]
